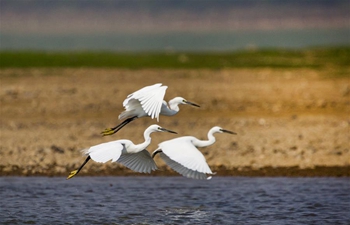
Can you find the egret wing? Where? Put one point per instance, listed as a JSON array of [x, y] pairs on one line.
[[104, 152], [182, 169], [150, 98], [141, 92], [182, 151], [141, 162]]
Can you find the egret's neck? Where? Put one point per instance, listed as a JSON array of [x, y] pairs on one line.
[[211, 140], [146, 143], [174, 105], [171, 110]]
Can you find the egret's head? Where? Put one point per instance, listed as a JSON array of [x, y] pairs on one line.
[[181, 100], [221, 130]]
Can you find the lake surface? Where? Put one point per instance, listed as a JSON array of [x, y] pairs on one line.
[[172, 25], [190, 41], [174, 200]]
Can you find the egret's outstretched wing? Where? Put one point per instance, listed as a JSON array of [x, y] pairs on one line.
[[183, 170], [150, 98], [106, 151], [141, 162], [183, 152]]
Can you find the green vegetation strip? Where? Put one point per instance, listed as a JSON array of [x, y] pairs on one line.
[[275, 58]]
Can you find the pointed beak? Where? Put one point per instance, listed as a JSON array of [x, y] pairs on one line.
[[166, 130], [227, 131], [191, 103]]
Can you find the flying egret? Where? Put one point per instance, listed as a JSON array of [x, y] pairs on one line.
[[181, 154], [133, 156], [147, 101]]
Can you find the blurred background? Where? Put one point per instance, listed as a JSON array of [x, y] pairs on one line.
[[274, 71], [172, 25]]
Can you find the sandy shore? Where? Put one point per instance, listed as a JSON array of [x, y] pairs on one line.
[[291, 122]]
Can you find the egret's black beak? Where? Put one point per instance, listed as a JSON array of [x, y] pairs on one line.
[[227, 131], [191, 103], [166, 130]]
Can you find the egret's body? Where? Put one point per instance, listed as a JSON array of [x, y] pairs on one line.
[[133, 156], [147, 102], [181, 154]]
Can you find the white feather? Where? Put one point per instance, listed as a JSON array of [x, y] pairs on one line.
[[141, 162], [181, 169], [104, 152], [182, 151], [150, 98]]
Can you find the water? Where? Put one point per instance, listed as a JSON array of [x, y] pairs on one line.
[[181, 41], [174, 200], [172, 25]]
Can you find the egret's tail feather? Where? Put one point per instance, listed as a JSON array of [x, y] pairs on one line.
[[72, 174], [85, 151], [126, 114]]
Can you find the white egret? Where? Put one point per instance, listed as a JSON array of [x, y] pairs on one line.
[[147, 101], [181, 154], [133, 156]]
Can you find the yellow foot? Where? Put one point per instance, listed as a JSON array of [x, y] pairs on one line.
[[72, 174], [107, 131]]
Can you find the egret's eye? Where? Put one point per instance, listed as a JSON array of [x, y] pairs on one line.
[[184, 100]]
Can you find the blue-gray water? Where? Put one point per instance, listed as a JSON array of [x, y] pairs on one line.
[[181, 41], [174, 200]]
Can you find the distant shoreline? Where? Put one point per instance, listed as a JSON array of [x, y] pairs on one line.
[[294, 171], [178, 40], [277, 58]]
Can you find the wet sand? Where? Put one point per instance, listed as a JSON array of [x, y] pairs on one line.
[[290, 122]]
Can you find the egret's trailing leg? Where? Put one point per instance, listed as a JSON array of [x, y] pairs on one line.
[[156, 152], [113, 130], [75, 172]]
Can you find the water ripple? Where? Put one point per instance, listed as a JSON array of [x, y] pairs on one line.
[[174, 200]]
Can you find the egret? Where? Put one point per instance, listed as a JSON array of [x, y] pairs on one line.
[[133, 156], [181, 154], [147, 101]]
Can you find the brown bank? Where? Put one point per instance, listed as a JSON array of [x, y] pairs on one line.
[[292, 122]]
